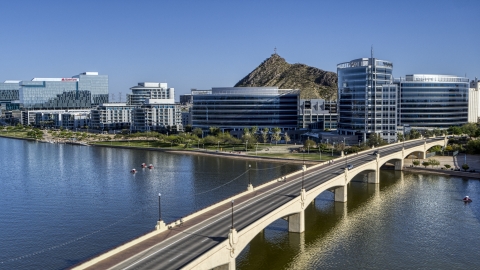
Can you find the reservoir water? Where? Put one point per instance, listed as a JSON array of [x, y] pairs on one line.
[[61, 204]]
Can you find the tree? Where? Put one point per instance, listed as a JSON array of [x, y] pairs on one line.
[[265, 134], [276, 134], [400, 137], [375, 140], [416, 162], [455, 130], [188, 128], [433, 162], [465, 167], [414, 134], [425, 163], [214, 131], [286, 137], [470, 129], [253, 131], [447, 166], [198, 132], [309, 143]]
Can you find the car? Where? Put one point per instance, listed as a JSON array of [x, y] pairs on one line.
[[375, 153], [349, 166]]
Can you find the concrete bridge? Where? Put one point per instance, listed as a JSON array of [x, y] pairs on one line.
[[214, 237]]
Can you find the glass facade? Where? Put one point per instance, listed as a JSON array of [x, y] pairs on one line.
[[8, 94], [79, 92], [239, 107], [433, 101], [367, 99]]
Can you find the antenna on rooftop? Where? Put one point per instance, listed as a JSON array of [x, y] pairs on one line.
[[275, 50], [371, 52]]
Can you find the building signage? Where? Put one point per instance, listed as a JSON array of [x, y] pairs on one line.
[[69, 79]]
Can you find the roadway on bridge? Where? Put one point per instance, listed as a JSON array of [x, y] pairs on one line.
[[189, 243]]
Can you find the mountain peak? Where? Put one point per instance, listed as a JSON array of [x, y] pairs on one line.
[[276, 71]]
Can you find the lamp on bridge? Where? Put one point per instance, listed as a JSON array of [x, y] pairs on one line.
[[159, 207], [232, 214], [346, 159], [249, 183], [303, 167]]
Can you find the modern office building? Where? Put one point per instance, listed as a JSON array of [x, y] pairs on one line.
[[112, 116], [317, 114], [428, 101], [473, 102], [8, 94], [234, 108], [186, 99], [149, 90], [78, 92], [157, 115], [69, 119], [367, 99]]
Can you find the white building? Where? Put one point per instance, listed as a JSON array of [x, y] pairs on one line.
[[157, 115], [110, 116], [473, 102], [149, 90]]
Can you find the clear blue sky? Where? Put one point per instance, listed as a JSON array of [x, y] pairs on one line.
[[204, 44]]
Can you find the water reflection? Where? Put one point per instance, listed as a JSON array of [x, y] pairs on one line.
[[61, 204], [407, 221]]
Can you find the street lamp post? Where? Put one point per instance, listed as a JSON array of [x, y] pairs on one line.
[[303, 168], [256, 149], [232, 214], [246, 149], [332, 148], [346, 160], [249, 182], [218, 146], [159, 207]]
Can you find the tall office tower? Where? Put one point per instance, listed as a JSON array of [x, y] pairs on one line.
[[473, 101], [429, 101], [79, 92], [367, 99], [149, 90]]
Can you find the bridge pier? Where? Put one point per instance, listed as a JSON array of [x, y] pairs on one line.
[[399, 165], [341, 194], [250, 187], [296, 222], [373, 177]]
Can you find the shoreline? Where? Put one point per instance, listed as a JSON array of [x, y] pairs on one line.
[[474, 160]]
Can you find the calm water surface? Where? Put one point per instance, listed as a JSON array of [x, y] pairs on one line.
[[409, 221], [61, 204]]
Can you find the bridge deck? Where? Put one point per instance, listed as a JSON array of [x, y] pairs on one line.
[[152, 241]]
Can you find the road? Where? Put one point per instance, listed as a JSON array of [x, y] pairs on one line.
[[177, 251]]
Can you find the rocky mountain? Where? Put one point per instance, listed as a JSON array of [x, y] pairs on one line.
[[275, 71]]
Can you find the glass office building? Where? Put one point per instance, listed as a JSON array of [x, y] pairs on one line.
[[367, 99], [433, 101], [78, 92], [8, 94], [234, 108]]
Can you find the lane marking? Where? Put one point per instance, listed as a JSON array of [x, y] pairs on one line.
[[221, 215], [175, 257]]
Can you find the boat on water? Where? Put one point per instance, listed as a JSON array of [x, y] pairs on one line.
[[467, 199], [133, 171], [150, 166], [144, 165]]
